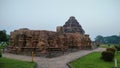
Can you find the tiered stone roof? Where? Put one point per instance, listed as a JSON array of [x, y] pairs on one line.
[[73, 26]]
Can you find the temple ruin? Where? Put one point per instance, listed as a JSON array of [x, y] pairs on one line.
[[70, 35]]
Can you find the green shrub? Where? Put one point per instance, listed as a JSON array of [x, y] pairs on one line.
[[107, 56], [118, 48], [98, 45], [111, 49]]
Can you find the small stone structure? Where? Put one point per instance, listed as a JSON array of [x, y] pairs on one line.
[[70, 35]]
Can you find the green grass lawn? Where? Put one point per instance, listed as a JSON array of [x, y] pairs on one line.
[[107, 46], [12, 63], [93, 61]]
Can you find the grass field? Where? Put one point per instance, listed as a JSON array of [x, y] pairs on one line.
[[12, 63], [93, 61], [107, 45]]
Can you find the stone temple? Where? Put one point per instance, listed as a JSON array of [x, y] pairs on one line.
[[70, 35], [71, 26]]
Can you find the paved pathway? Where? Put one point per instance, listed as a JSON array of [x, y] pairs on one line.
[[57, 62]]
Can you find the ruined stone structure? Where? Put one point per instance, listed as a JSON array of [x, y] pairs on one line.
[[70, 35]]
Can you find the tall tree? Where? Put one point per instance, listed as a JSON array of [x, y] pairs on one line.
[[3, 36], [99, 38]]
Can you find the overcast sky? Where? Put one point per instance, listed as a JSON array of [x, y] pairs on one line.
[[97, 17]]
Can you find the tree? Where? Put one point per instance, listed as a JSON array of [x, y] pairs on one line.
[[3, 36], [99, 38], [114, 39]]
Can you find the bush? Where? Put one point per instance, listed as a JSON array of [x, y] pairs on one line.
[[107, 56], [111, 49], [118, 48], [98, 45]]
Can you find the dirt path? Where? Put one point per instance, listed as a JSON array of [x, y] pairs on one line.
[[58, 62]]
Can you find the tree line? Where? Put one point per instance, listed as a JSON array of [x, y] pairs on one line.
[[114, 39]]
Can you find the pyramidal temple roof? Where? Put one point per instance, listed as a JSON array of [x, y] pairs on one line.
[[72, 26]]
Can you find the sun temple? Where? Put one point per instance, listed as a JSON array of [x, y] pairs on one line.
[[70, 35], [71, 26]]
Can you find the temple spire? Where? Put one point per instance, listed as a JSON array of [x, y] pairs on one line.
[[73, 26]]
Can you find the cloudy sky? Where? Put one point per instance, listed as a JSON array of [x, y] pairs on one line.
[[97, 17]]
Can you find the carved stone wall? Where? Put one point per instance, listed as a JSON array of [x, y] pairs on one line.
[[68, 36]]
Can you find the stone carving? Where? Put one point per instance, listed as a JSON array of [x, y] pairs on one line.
[[67, 36], [72, 26]]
